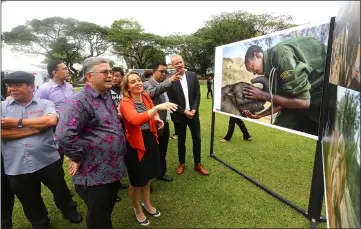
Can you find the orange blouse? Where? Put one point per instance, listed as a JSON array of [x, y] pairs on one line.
[[133, 120]]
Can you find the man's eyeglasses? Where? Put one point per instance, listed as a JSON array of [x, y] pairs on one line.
[[105, 72], [163, 71]]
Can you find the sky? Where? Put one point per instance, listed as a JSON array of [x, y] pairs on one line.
[[158, 17]]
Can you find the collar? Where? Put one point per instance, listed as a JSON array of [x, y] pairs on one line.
[[152, 80], [115, 87], [183, 76], [53, 84], [94, 93], [266, 63], [11, 101]]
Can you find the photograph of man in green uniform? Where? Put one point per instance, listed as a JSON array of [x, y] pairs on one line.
[[296, 68]]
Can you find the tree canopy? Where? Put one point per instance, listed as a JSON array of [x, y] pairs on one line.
[[72, 41]]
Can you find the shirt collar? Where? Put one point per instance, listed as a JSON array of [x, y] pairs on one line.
[[183, 76], [33, 100], [94, 93], [154, 80], [53, 84]]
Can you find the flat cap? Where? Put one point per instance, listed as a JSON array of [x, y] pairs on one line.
[[19, 77]]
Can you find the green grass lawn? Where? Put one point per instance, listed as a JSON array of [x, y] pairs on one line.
[[280, 160]]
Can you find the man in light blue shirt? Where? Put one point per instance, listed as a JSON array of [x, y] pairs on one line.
[[29, 151]]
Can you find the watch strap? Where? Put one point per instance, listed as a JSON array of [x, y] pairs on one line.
[[20, 123]]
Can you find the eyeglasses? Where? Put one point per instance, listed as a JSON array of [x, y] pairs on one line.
[[163, 71], [105, 72]]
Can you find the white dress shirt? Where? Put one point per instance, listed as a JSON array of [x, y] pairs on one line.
[[183, 81]]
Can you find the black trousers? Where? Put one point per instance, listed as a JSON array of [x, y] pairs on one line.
[[175, 129], [163, 147], [7, 200], [27, 188], [100, 200], [195, 128], [232, 122], [209, 92]]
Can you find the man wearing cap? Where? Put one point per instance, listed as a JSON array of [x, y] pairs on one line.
[[29, 151]]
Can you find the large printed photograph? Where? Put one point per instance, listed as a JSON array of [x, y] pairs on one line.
[[341, 149], [345, 68], [341, 143], [277, 79]]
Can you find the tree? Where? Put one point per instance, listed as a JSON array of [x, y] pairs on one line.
[[194, 51], [224, 29], [138, 48], [58, 38]]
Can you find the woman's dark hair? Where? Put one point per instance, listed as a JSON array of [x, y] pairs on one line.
[[147, 74]]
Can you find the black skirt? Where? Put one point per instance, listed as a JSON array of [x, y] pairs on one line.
[[141, 172]]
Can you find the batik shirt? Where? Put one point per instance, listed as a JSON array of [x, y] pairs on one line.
[[90, 133]]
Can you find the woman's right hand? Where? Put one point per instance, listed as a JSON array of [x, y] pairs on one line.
[[167, 106]]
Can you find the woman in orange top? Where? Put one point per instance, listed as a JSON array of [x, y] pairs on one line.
[[142, 158]]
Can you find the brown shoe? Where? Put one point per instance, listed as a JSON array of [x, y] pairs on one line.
[[199, 168], [180, 169]]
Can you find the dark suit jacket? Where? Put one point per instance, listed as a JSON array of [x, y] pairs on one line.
[[176, 95]]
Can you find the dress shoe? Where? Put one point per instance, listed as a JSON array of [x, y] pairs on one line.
[[180, 169], [174, 137], [119, 198], [165, 178], [248, 139], [199, 168], [73, 216], [223, 140]]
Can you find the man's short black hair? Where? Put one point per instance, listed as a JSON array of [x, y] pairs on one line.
[[156, 65], [251, 51], [53, 66], [118, 69]]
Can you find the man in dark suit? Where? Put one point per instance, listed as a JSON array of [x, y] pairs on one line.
[[157, 86], [186, 93]]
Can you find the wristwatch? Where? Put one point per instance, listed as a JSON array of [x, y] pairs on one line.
[[20, 123]]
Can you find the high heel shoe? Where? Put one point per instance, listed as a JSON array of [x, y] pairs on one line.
[[145, 222], [155, 214]]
